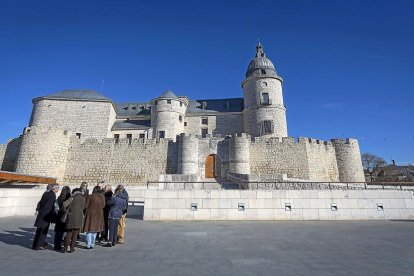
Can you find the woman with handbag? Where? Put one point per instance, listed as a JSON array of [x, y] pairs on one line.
[[74, 207], [60, 221]]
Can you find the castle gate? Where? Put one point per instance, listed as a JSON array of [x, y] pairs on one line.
[[211, 166]]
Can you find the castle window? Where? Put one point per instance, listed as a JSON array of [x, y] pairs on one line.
[[185, 123], [266, 127], [265, 99], [181, 103], [168, 101], [78, 134], [129, 137], [263, 71], [180, 118], [156, 102], [116, 137], [204, 121], [142, 136], [161, 134], [204, 132]]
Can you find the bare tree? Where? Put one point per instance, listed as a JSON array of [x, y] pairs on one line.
[[372, 163]]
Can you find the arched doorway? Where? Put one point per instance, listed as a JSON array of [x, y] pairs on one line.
[[211, 166]]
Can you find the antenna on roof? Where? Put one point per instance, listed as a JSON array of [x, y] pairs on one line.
[[258, 38]]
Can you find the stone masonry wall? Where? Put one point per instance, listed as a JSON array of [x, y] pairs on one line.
[[120, 163], [222, 124], [272, 155], [321, 160], [91, 119], [43, 152], [8, 154]]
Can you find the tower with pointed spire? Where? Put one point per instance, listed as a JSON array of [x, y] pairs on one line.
[[264, 110]]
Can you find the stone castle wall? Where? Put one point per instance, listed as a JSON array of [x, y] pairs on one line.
[[43, 152], [123, 162], [348, 158], [8, 154], [311, 159], [91, 119], [58, 153], [272, 156]]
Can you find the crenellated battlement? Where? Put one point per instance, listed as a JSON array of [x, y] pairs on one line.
[[347, 141]]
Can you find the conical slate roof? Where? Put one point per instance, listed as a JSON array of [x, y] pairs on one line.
[[77, 94], [168, 94]]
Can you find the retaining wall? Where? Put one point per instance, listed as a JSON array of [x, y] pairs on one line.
[[258, 204]]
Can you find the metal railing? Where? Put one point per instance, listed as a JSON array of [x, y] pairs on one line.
[[281, 185]]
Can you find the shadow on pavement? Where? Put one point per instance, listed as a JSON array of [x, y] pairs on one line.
[[22, 237]]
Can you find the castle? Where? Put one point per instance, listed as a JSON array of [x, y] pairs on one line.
[[80, 135]]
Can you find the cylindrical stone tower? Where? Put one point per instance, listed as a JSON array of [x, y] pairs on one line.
[[264, 110], [239, 154], [348, 158], [187, 154], [44, 152], [167, 115]]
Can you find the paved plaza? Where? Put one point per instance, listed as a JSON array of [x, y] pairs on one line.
[[222, 248]]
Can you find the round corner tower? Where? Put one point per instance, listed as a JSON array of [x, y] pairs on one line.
[[348, 158], [167, 115], [264, 110]]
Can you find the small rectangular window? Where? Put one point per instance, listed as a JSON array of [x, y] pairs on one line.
[[263, 71], [204, 132], [156, 102], [116, 137], [168, 101], [78, 134], [265, 99], [185, 123], [142, 136], [267, 127], [161, 134], [180, 118], [181, 103], [129, 137], [204, 121]]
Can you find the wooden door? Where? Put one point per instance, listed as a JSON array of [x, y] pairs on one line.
[[211, 166]]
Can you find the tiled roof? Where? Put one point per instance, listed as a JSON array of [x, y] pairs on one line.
[[133, 109], [131, 124], [77, 94], [216, 105]]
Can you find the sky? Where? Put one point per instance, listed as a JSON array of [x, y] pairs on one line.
[[347, 66]]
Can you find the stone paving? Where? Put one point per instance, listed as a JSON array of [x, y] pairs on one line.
[[222, 248]]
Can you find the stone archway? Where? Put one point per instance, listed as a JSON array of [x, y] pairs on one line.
[[210, 168]]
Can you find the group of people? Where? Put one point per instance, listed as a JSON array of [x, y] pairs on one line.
[[101, 215]]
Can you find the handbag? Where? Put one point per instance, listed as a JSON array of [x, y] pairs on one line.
[[64, 218]]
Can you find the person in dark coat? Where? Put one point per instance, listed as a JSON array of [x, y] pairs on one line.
[[108, 195], [122, 220], [59, 225], [94, 222], [75, 207], [117, 205], [45, 214]]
